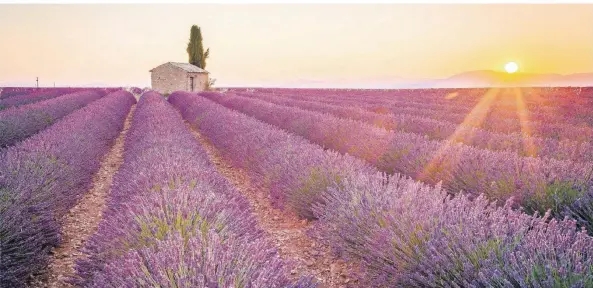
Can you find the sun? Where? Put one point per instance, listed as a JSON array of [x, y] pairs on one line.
[[511, 67]]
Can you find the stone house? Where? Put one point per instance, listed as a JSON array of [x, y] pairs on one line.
[[173, 76]]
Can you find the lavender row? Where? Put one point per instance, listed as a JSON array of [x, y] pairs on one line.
[[172, 220], [18, 123], [513, 123], [44, 176], [441, 130], [34, 97], [7, 92], [407, 234], [537, 184]]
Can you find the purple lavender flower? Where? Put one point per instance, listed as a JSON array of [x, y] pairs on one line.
[[44, 176], [172, 220], [405, 233], [18, 123]]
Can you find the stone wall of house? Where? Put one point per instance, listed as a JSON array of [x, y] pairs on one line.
[[167, 79]]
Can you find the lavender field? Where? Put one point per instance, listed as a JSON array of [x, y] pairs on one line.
[[270, 187]]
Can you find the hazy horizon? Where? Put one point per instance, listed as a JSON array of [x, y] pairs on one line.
[[288, 44]]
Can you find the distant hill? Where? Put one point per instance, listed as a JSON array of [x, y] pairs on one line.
[[489, 78]]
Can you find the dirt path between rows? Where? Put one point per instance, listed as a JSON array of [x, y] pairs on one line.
[[83, 219], [285, 229]]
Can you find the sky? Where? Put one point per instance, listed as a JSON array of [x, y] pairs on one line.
[[290, 44]]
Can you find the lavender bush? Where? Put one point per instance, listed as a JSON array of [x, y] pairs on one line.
[[203, 261], [172, 220], [44, 176], [18, 123], [409, 234]]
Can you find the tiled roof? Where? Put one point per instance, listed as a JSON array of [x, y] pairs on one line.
[[186, 67]]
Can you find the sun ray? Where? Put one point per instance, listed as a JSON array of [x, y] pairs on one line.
[[523, 114], [474, 118]]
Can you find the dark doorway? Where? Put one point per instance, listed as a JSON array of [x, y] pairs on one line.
[[191, 83]]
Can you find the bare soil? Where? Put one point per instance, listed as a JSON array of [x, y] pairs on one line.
[[286, 230], [83, 219]]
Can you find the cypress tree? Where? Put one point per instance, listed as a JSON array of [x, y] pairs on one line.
[[195, 49]]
